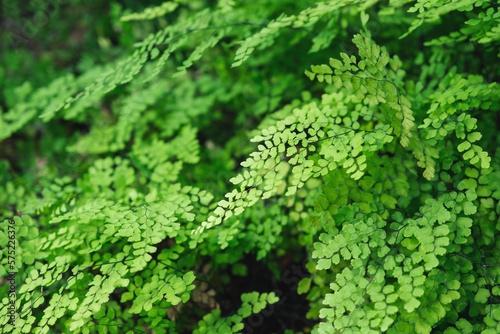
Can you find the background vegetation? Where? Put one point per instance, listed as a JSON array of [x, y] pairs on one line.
[[266, 166]]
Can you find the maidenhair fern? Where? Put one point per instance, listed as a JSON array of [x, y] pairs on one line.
[[366, 135]]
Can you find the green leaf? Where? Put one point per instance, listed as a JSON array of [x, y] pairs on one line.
[[388, 201], [154, 53], [364, 18], [337, 64], [463, 146], [304, 285], [469, 208], [469, 154], [482, 296], [324, 264], [422, 327], [474, 136]]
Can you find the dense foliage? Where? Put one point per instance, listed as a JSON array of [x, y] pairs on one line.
[[368, 197]]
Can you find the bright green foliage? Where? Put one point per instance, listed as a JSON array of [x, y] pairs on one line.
[[152, 12], [323, 131], [483, 28], [367, 137], [372, 82], [431, 10], [252, 303]]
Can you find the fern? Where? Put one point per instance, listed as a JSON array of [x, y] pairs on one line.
[[366, 136]]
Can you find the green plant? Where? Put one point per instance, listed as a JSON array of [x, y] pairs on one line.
[[372, 154]]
